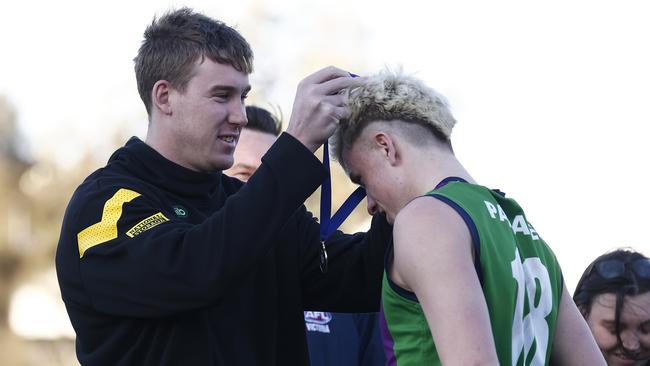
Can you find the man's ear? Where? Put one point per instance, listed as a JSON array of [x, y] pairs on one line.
[[388, 146], [160, 96]]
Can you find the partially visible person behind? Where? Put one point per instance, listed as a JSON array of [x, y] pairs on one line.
[[468, 280], [613, 295], [333, 339], [255, 139]]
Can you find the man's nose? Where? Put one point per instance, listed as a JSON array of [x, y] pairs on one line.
[[237, 114], [630, 340]]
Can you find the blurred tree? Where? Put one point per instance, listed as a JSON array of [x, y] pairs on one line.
[[33, 198], [12, 201]]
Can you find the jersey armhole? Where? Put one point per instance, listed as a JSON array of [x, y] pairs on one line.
[[476, 247], [388, 263]]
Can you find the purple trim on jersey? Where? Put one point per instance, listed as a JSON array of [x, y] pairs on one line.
[[476, 241], [447, 180], [388, 263], [386, 338], [402, 291]]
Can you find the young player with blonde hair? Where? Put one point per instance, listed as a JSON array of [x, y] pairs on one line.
[[468, 280]]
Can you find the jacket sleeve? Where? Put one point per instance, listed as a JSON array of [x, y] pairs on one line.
[[353, 280], [176, 266]]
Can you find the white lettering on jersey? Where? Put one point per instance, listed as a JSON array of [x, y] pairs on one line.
[[519, 223], [533, 326]]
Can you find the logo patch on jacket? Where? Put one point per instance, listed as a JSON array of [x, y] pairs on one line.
[[180, 211], [317, 321], [146, 224]]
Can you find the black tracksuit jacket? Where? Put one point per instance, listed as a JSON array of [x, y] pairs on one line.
[[188, 268]]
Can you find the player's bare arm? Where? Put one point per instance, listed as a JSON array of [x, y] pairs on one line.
[[433, 258]]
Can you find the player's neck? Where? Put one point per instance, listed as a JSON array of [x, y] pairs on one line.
[[433, 168]]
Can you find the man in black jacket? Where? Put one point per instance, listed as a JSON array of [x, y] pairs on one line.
[[163, 260]]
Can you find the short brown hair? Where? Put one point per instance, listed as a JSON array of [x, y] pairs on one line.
[[175, 41]]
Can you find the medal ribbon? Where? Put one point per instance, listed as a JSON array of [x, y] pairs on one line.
[[328, 225]]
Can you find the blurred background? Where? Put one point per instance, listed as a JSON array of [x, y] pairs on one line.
[[551, 100]]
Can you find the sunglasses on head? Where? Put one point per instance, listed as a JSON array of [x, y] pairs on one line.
[[613, 268]]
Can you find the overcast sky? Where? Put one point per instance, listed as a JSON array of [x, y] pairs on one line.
[[551, 97]]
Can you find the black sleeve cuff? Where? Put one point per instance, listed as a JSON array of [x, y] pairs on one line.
[[291, 162]]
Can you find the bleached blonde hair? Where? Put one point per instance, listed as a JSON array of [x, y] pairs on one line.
[[393, 96]]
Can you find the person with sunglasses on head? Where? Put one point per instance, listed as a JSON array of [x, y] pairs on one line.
[[613, 295]]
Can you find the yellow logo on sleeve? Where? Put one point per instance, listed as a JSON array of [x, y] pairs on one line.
[[106, 229], [146, 224]]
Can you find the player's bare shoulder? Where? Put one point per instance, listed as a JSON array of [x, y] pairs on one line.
[[427, 215]]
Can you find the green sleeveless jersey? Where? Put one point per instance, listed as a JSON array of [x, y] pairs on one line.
[[519, 274]]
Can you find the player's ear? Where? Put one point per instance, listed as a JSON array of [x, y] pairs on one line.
[[160, 94], [387, 145]]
